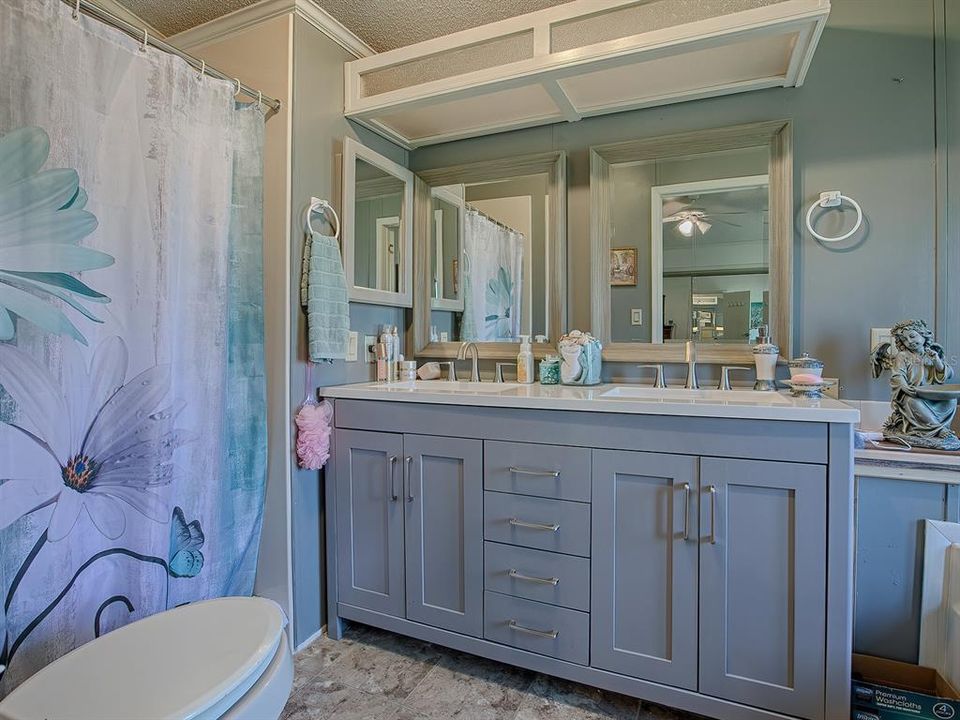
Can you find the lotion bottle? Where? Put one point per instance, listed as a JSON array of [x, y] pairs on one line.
[[765, 354], [525, 370]]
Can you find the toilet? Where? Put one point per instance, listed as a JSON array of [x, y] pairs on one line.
[[226, 658]]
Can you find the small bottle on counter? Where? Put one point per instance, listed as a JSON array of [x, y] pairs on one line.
[[765, 355], [380, 350], [525, 371]]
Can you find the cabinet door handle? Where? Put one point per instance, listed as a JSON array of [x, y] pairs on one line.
[[531, 578], [549, 634], [686, 510], [392, 470], [534, 525], [712, 489], [535, 473], [409, 477]]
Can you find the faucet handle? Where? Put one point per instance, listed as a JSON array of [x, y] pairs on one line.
[[451, 370], [725, 375], [658, 381], [500, 366]]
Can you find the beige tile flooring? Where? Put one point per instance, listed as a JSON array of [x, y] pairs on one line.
[[375, 675]]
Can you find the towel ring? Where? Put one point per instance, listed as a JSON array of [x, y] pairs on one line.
[[317, 204], [833, 198]]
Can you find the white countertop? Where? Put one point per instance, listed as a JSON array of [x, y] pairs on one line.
[[630, 399]]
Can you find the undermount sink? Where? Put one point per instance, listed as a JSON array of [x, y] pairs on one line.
[[461, 387], [683, 395]]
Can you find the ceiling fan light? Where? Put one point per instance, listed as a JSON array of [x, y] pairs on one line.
[[685, 227]]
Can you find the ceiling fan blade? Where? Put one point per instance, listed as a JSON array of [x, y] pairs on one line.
[[731, 212], [727, 222], [675, 218]]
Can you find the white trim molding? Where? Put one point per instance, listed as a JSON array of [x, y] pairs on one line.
[[252, 15]]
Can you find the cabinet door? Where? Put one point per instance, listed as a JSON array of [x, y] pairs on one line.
[[369, 510], [444, 531], [763, 584], [644, 584]]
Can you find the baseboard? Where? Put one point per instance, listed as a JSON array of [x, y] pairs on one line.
[[319, 633]]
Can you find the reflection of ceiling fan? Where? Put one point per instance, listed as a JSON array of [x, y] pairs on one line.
[[687, 218]]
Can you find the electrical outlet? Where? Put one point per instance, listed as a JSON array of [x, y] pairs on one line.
[[879, 335], [368, 342], [353, 339], [636, 316], [444, 337]]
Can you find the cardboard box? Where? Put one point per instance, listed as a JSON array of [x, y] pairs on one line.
[[890, 690]]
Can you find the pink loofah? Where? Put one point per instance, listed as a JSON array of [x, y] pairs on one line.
[[313, 436]]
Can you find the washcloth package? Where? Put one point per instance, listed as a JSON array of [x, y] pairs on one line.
[[580, 354]]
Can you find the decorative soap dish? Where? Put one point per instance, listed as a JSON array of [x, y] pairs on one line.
[[808, 388]]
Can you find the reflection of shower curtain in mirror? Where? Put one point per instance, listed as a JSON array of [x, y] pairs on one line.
[[492, 274]]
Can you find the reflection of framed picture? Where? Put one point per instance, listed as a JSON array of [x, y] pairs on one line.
[[623, 266]]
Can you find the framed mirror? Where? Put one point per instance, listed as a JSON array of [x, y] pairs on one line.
[[491, 256], [692, 240], [377, 227]]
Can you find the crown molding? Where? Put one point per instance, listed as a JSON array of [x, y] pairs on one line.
[[252, 15]]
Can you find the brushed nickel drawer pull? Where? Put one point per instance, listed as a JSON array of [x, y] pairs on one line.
[[686, 510], [712, 489], [534, 526], [530, 578], [408, 477], [549, 634], [392, 472], [536, 473]]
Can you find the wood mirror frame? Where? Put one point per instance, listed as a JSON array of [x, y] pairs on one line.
[[777, 135], [554, 165]]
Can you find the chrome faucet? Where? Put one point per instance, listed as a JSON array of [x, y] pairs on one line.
[[474, 355], [690, 355]]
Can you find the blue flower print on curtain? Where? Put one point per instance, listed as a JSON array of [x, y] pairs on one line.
[[107, 442], [499, 299], [42, 221]]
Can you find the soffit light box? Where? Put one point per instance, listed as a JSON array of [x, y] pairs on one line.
[[583, 58]]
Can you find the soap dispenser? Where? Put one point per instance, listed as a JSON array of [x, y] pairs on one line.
[[525, 361], [765, 355]]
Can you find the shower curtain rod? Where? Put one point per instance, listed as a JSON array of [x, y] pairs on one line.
[[471, 208], [95, 11]]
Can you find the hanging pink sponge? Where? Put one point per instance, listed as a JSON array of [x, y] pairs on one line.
[[313, 434]]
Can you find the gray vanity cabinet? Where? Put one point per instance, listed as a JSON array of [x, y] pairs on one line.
[[762, 584], [370, 509], [409, 539], [644, 582], [444, 532]]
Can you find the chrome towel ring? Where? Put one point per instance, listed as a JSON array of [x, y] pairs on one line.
[[833, 198], [317, 204]]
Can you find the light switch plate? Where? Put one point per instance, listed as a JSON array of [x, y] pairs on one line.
[[352, 341], [444, 337], [636, 316], [368, 342], [879, 335]]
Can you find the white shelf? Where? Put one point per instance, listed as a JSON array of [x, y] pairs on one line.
[[587, 57]]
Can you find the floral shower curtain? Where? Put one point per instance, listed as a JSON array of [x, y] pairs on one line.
[[492, 276], [132, 398]]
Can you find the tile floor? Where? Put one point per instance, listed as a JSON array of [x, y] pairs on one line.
[[375, 675]]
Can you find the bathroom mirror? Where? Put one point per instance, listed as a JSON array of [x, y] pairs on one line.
[[691, 236], [492, 266], [377, 227]]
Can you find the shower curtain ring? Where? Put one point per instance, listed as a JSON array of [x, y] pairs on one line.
[[203, 70], [146, 39], [239, 88], [259, 100], [76, 10]]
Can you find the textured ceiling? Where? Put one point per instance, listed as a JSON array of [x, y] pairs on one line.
[[382, 24]]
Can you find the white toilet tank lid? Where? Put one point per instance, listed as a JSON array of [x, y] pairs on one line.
[[173, 665]]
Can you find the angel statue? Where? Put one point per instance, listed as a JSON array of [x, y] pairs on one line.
[[922, 414]]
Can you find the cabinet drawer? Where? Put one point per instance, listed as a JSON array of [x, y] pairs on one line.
[[537, 575], [545, 629], [555, 525], [541, 470]]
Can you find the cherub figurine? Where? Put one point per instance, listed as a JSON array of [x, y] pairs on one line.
[[914, 361]]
